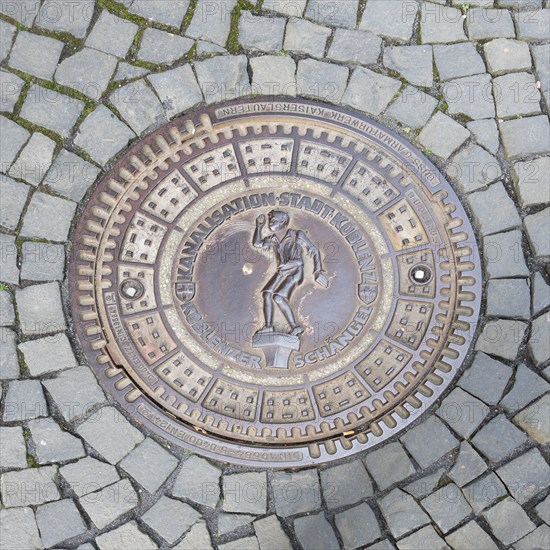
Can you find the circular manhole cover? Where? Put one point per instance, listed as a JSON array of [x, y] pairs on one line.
[[274, 283]]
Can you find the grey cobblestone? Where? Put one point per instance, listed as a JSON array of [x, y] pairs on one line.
[[198, 481], [525, 137], [125, 536], [539, 538], [52, 444], [9, 365], [167, 12], [535, 421], [541, 294], [498, 439], [270, 534], [413, 107], [469, 536], [538, 345], [470, 96], [12, 447], [102, 135], [18, 529], [370, 91], [305, 37], [508, 521], [52, 110], [160, 517], [88, 475], [424, 486], [23, 11], [442, 136], [36, 55], [7, 311], [246, 543], [533, 25], [290, 8], [541, 53], [353, 46], [223, 78], [177, 89], [468, 465], [40, 309], [457, 60], [24, 400], [41, 480], [345, 484], [198, 537], [343, 14], [66, 17], [47, 355], [538, 226], [14, 196], [426, 537], [543, 510], [212, 21], [472, 168], [527, 387], [296, 492], [245, 493], [393, 20], [12, 138], [484, 492], [7, 32], [260, 33], [402, 513], [441, 24], [462, 412], [59, 521], [503, 255], [532, 181], [11, 86], [486, 133], [505, 55], [34, 160], [414, 63], [502, 338], [447, 507], [357, 526], [315, 532], [160, 47], [112, 34], [227, 523], [516, 94], [509, 298], [274, 75], [8, 260], [388, 465], [483, 24], [125, 71], [324, 81]]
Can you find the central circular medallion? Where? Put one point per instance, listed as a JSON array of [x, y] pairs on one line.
[[274, 283]]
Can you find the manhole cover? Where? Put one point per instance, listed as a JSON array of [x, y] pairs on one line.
[[274, 283]]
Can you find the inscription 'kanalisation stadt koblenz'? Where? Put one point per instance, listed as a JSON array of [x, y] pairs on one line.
[[274, 283]]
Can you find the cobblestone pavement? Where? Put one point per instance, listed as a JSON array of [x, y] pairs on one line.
[[469, 84]]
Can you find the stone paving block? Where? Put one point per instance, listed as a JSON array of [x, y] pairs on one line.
[[290, 8], [447, 507], [314, 532], [40, 310], [468, 465], [125, 71], [88, 475], [102, 135], [543, 510], [105, 506], [470, 96], [541, 56], [24, 400], [533, 25], [527, 387], [462, 412], [432, 430], [305, 37], [197, 538], [486, 133], [442, 136], [7, 32], [539, 538], [502, 338], [484, 492], [495, 202], [260, 33], [167, 12], [8, 260], [245, 493], [402, 513], [9, 364], [14, 196], [246, 543], [519, 4], [35, 54], [457, 60], [413, 107], [18, 529], [508, 521], [354, 46], [426, 538], [503, 255], [12, 138], [49, 354], [138, 106], [483, 24], [498, 439], [369, 91], [470, 536], [125, 536], [524, 137], [539, 344], [198, 481], [88, 71], [345, 484], [509, 298], [212, 21], [270, 534], [357, 526], [160, 517], [223, 78], [112, 34], [10, 86], [341, 14], [52, 444], [323, 81], [42, 261], [149, 464], [414, 63], [424, 486], [538, 229], [296, 492], [206, 48], [382, 545], [274, 75], [74, 391], [12, 447], [7, 311], [23, 11], [160, 47], [516, 94], [59, 521], [177, 89], [110, 434], [388, 465], [34, 160], [526, 476], [52, 110], [66, 17], [532, 181], [227, 523], [70, 175], [441, 24], [29, 487], [535, 420], [503, 55], [393, 20]]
